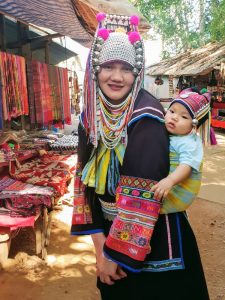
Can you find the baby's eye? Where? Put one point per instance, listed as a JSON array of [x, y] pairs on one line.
[[171, 110], [184, 117]]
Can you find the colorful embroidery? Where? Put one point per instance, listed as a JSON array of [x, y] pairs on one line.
[[164, 265], [109, 210], [81, 209], [138, 212]]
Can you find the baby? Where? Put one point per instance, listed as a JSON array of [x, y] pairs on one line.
[[189, 111]]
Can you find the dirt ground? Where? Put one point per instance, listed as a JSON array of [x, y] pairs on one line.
[[68, 272]]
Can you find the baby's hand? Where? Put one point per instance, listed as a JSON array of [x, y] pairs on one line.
[[162, 188]]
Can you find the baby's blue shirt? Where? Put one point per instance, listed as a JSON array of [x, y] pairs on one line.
[[189, 148]]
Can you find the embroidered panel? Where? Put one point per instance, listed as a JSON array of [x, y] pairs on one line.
[[138, 211], [109, 210], [164, 265], [81, 209]]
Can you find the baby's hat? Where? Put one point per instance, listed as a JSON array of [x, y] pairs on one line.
[[198, 105]]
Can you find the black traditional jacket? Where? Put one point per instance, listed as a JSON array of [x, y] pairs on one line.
[[128, 219]]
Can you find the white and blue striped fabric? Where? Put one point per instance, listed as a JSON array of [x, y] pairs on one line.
[[57, 15]]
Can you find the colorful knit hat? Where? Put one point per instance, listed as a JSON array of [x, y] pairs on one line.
[[116, 39], [198, 105]]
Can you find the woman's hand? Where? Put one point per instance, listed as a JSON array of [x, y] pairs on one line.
[[107, 270]]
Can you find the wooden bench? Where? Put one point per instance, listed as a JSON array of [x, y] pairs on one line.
[[42, 229]]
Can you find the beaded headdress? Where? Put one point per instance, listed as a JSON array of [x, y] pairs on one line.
[[116, 39]]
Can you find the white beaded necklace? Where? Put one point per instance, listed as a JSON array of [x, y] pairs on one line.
[[113, 129]]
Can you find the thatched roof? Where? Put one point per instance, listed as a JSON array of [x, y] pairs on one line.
[[86, 11], [193, 62]]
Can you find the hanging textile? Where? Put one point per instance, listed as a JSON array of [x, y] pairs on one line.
[[74, 93], [13, 91], [1, 116], [65, 97], [48, 94]]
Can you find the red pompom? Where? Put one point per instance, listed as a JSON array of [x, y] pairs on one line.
[[134, 20], [100, 16], [134, 36], [103, 33]]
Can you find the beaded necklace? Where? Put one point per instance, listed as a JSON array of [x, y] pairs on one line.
[[113, 120]]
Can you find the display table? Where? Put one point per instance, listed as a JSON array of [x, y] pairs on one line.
[[41, 224], [218, 121]]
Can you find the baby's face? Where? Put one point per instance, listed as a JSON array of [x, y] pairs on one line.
[[178, 121]]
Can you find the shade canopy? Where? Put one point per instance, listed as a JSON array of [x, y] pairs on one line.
[[73, 18]]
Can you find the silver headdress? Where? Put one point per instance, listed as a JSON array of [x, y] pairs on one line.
[[116, 39]]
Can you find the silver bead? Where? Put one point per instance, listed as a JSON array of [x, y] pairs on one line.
[[95, 61], [98, 47], [139, 51], [194, 122], [138, 65], [97, 69], [96, 54], [100, 40], [139, 57], [135, 71]]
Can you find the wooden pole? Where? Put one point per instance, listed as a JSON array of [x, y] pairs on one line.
[[2, 33]]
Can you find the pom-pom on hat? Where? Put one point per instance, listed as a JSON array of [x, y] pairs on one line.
[[117, 39]]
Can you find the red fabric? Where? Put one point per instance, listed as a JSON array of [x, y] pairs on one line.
[[220, 105], [15, 222], [50, 170], [14, 86], [217, 123]]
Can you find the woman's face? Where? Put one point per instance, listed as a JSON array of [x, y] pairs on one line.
[[116, 80]]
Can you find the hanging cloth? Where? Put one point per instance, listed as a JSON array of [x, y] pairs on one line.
[[102, 161]]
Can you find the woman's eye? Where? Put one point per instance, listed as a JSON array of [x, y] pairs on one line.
[[127, 70], [107, 67]]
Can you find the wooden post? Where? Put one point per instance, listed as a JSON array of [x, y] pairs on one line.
[[23, 40], [47, 57], [5, 241], [2, 33]]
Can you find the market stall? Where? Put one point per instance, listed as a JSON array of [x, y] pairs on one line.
[[37, 160], [201, 68]]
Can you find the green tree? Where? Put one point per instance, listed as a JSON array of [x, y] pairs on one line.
[[217, 22], [184, 24]]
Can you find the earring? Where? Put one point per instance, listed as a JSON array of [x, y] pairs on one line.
[[194, 125], [195, 122]]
